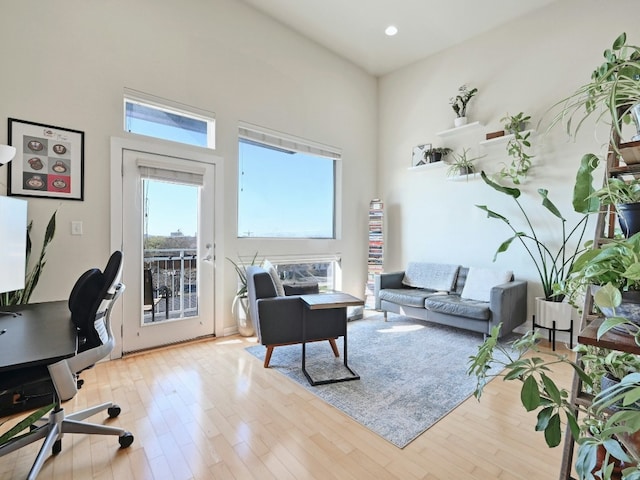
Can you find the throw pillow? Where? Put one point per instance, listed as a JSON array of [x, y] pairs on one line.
[[480, 281], [268, 266]]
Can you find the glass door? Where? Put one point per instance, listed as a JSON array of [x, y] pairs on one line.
[[167, 242]]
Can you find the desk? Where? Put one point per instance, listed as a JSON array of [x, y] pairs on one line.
[[41, 334], [321, 301]]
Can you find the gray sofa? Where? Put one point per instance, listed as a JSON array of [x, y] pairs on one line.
[[436, 293]]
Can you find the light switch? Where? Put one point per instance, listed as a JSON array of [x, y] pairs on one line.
[[76, 227]]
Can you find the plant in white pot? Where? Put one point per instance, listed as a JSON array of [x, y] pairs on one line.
[[459, 104], [240, 306], [553, 264]]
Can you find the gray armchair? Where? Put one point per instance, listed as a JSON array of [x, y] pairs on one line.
[[278, 320]]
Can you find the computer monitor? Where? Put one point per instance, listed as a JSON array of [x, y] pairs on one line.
[[13, 243]]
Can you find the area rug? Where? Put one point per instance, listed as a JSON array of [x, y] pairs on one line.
[[412, 373]]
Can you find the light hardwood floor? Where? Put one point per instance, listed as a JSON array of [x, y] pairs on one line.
[[210, 410]]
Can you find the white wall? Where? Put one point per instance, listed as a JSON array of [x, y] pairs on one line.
[[66, 64], [527, 65]]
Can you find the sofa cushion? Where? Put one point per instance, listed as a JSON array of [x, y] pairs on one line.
[[480, 281], [460, 307], [432, 276], [411, 297]]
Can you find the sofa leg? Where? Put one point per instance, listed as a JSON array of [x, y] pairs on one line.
[[267, 357], [385, 315], [334, 347]]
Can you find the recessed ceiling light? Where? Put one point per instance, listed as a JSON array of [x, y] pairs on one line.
[[391, 30]]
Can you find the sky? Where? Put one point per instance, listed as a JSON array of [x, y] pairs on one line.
[[298, 200]]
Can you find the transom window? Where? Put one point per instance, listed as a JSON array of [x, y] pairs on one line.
[[160, 118], [286, 187]]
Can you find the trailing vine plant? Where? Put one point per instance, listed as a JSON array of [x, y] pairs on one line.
[[517, 148]]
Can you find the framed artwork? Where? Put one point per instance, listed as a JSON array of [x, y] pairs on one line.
[[417, 158], [49, 161]]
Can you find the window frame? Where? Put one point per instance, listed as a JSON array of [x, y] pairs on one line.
[[174, 108], [260, 136]]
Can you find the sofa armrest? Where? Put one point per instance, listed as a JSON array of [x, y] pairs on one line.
[[386, 280], [508, 304]]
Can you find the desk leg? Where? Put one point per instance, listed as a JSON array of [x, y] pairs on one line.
[[312, 382]]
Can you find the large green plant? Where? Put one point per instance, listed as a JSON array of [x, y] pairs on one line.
[[552, 264], [593, 426], [32, 277]]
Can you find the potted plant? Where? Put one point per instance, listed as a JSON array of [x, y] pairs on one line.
[[459, 104], [603, 435], [613, 92], [515, 123], [625, 197], [610, 366], [462, 165], [612, 273], [552, 264], [435, 154], [240, 306], [517, 147]]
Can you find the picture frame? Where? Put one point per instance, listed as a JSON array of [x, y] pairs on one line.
[[49, 161], [417, 158]]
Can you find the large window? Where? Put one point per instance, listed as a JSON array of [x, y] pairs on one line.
[[160, 118], [286, 187]]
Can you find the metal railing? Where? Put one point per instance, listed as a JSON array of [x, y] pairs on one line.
[[175, 277]]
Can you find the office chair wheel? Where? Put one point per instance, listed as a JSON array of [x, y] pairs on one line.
[[114, 411], [126, 440], [57, 447]]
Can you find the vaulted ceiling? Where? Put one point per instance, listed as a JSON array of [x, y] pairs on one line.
[[354, 29]]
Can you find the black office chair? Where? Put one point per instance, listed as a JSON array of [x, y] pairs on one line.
[[90, 302]]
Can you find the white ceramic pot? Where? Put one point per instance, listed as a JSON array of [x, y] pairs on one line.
[[547, 312], [459, 121], [240, 310]]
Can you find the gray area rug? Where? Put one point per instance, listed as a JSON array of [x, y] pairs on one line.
[[412, 373]]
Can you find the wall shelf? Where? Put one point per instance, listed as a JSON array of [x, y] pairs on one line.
[[463, 178], [457, 130], [427, 166], [504, 138]]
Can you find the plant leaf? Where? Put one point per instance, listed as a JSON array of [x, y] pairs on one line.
[[530, 395]]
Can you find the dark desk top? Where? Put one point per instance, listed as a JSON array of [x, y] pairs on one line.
[[41, 335]]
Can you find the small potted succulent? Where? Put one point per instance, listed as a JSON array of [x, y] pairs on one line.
[[459, 104]]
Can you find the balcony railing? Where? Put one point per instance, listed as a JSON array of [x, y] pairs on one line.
[[175, 278]]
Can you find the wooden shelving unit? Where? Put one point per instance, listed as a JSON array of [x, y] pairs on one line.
[[375, 258], [605, 229]]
